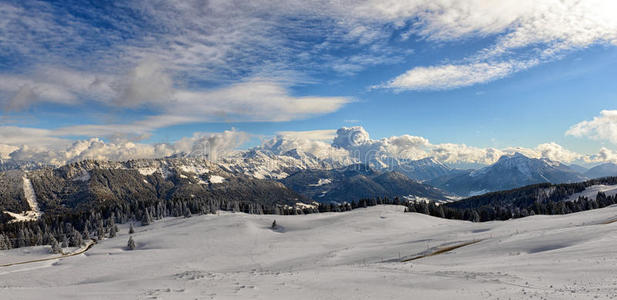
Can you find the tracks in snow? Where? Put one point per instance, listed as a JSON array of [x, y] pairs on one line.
[[78, 252], [441, 250]]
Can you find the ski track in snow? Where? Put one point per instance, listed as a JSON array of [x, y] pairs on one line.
[[351, 255], [34, 213]]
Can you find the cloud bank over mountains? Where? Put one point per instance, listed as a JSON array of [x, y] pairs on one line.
[[345, 145], [207, 145]]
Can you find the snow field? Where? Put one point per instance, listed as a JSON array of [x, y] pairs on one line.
[[352, 255]]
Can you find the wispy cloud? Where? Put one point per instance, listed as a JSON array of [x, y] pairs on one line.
[[527, 33], [454, 76]]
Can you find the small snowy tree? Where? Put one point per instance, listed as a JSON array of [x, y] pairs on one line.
[[3, 245], [77, 239], [475, 216], [131, 244], [55, 247], [146, 219], [131, 229], [65, 241], [112, 231], [274, 224]]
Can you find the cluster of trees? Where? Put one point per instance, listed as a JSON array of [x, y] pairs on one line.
[[59, 231], [494, 212], [347, 206]]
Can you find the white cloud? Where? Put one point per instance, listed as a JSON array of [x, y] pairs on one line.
[[207, 145], [527, 33], [453, 76], [253, 100], [556, 152], [307, 143], [146, 83], [460, 153], [317, 135], [604, 155], [602, 127]]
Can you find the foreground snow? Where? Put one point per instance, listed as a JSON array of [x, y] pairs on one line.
[[353, 255]]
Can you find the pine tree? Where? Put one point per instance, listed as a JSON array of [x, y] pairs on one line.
[[131, 244], [77, 239], [3, 245], [65, 241], [100, 231], [146, 219], [112, 231], [131, 229], [55, 247], [21, 238], [475, 216]]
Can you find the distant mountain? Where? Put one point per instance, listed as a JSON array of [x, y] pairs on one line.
[[510, 171], [357, 182], [264, 164], [603, 170], [422, 169], [11, 164], [578, 168], [89, 184]]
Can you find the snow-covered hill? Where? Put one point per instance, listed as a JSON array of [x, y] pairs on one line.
[[352, 255]]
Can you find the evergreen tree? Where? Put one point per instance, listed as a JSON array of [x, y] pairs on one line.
[[131, 229], [112, 231], [475, 217], [55, 247], [146, 218], [77, 240], [21, 238], [65, 241], [131, 244], [3, 245]]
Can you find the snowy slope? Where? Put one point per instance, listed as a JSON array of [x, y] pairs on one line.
[[592, 191], [353, 255]]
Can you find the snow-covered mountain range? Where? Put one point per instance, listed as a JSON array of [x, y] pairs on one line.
[[510, 171], [283, 156]]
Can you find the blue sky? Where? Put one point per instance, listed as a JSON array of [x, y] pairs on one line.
[[130, 80]]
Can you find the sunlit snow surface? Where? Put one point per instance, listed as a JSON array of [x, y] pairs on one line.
[[352, 255]]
